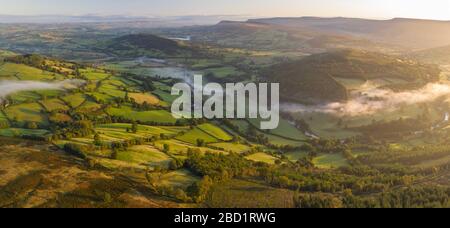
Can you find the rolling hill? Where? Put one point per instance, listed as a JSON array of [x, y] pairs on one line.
[[306, 80], [440, 55], [136, 45], [257, 35], [316, 34]]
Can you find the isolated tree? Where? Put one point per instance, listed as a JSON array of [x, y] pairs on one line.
[[32, 125], [200, 142], [114, 154], [97, 139], [166, 148], [134, 127]]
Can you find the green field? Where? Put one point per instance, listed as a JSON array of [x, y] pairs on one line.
[[326, 126], [284, 129], [241, 124], [223, 72], [101, 97], [117, 132], [157, 116], [49, 93], [215, 132], [24, 113], [17, 132], [111, 90], [24, 96], [54, 104], [179, 149], [144, 155], [120, 130], [3, 117], [142, 98], [75, 100], [94, 75], [23, 72], [278, 141], [165, 96], [89, 107], [202, 64], [60, 118], [262, 157], [296, 155], [116, 81], [232, 147], [327, 161], [195, 134]]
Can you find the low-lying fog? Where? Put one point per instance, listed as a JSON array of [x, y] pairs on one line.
[[9, 87], [370, 100]]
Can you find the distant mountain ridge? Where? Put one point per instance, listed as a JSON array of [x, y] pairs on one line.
[[258, 35], [169, 21], [315, 34], [413, 33]]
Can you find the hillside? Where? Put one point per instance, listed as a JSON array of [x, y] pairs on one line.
[[256, 35], [35, 174], [440, 55], [136, 45], [306, 79], [315, 34]]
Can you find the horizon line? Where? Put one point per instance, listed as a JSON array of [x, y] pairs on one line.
[[248, 17]]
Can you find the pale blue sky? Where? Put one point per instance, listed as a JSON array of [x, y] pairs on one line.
[[430, 9]]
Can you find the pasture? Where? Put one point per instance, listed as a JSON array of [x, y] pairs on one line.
[[120, 129], [232, 147], [75, 100], [329, 161], [18, 132], [262, 157], [142, 98], [23, 72], [94, 74], [157, 116], [24, 113], [54, 104], [111, 90], [284, 129], [195, 134], [179, 149], [24, 97], [144, 155], [215, 132]]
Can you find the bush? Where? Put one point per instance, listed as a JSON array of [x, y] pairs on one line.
[[77, 150]]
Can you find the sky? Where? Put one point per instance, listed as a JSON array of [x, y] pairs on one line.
[[375, 9]]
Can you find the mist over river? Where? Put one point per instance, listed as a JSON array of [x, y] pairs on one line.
[[8, 87]]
